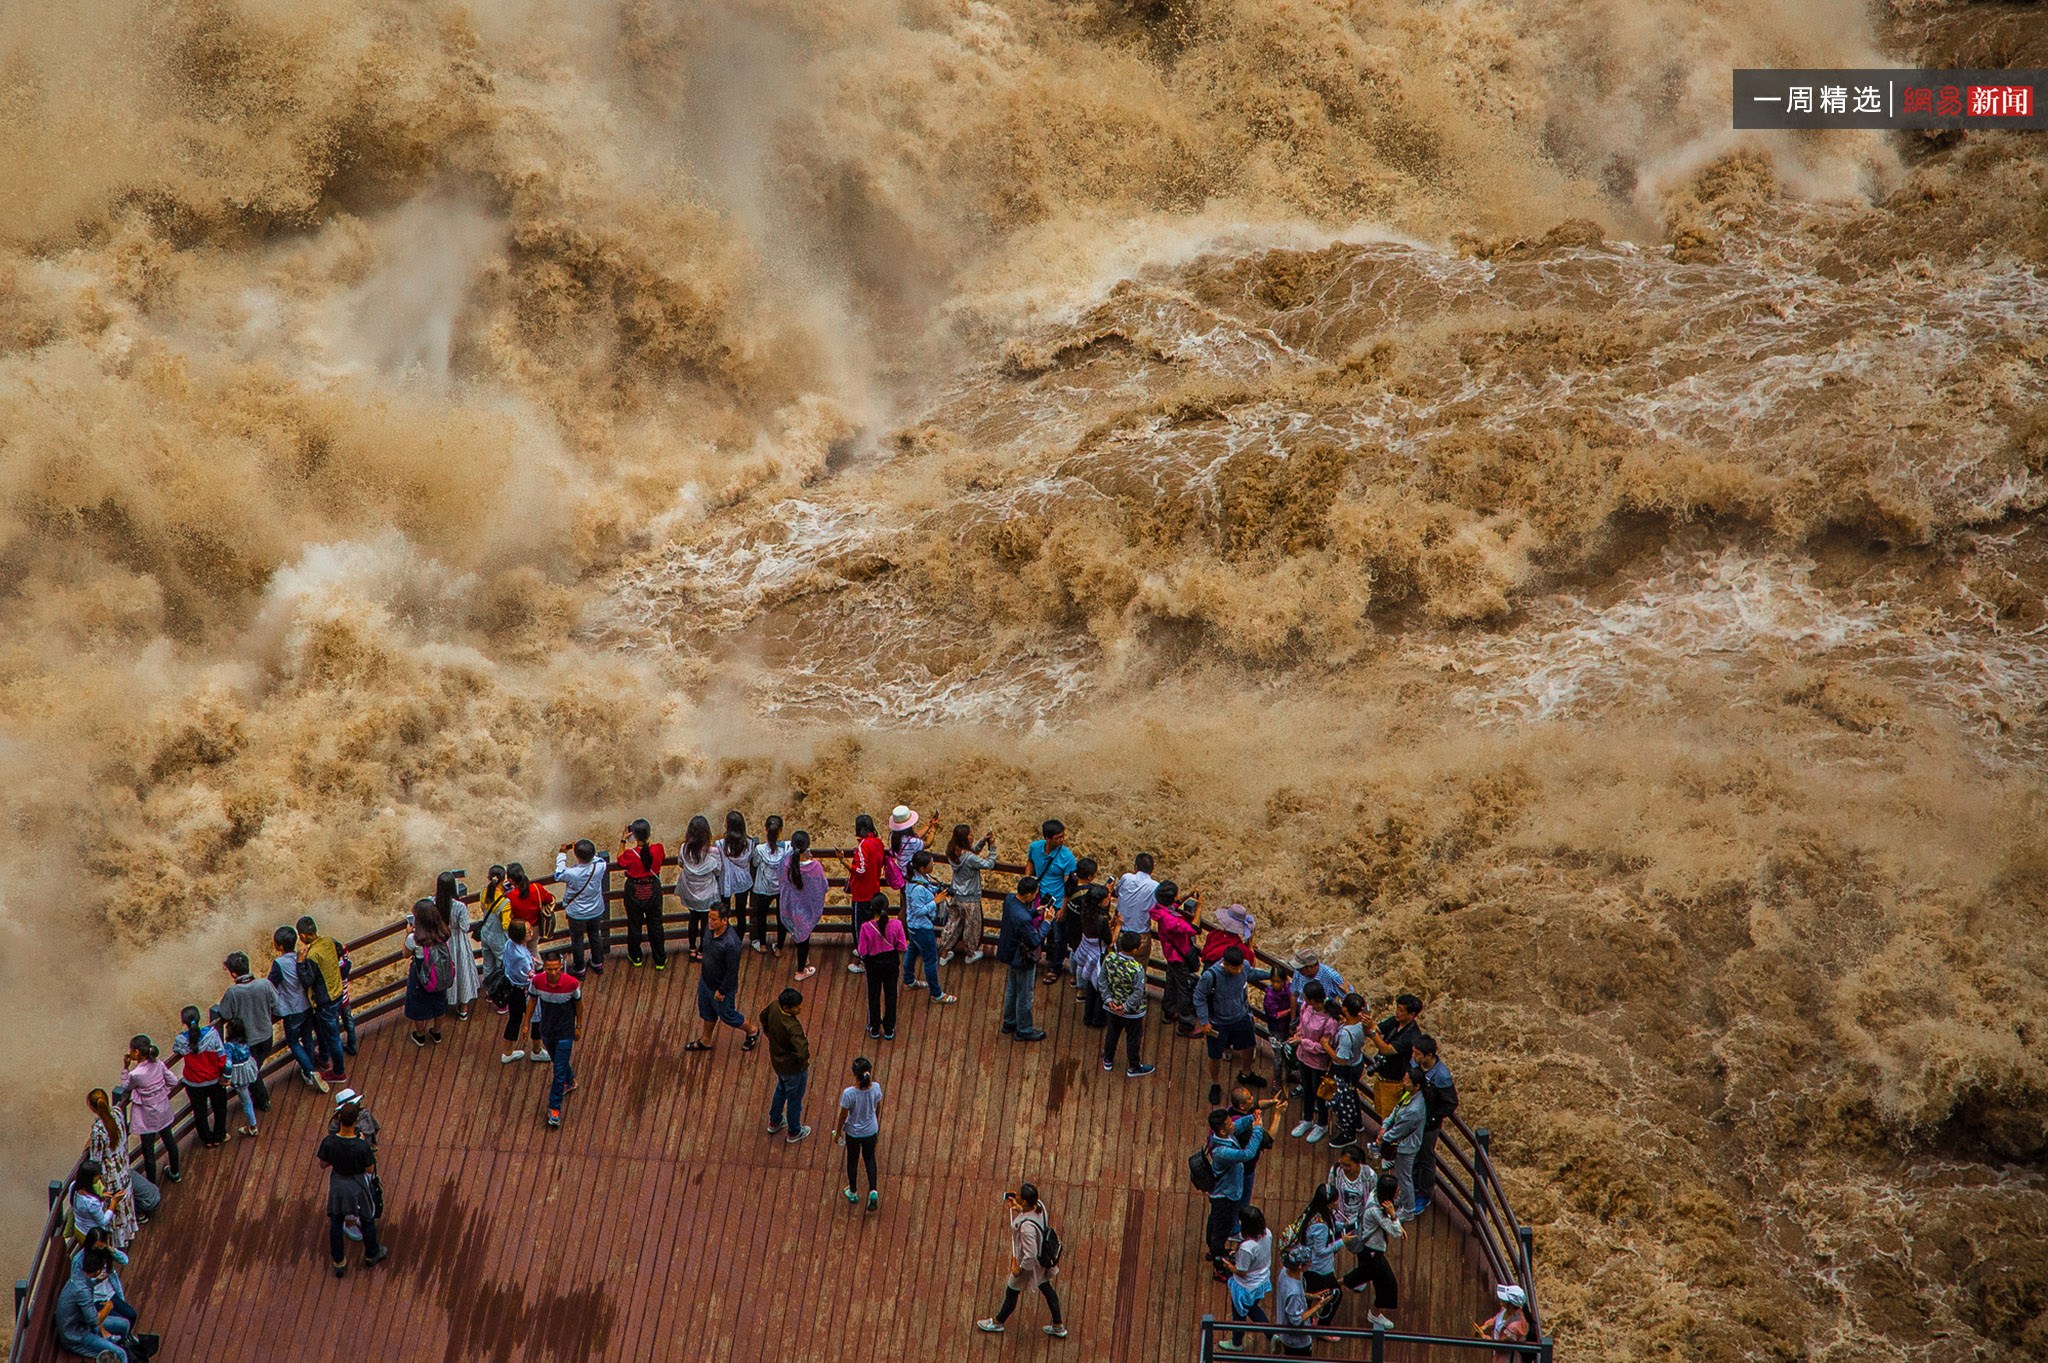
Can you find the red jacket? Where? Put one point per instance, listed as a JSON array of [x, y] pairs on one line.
[[865, 880]]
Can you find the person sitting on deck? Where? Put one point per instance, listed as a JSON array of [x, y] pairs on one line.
[[1223, 1014], [90, 1297], [718, 985]]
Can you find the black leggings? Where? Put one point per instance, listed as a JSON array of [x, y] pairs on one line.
[[882, 981], [515, 1013], [695, 928], [209, 1112], [860, 1150], [149, 1140], [764, 909], [1010, 1294], [803, 954], [643, 913], [1373, 1268]]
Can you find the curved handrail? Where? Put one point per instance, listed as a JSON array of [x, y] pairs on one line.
[[1478, 1197]]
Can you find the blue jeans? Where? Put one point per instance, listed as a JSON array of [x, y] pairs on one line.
[[327, 1037], [1018, 987], [298, 1038], [924, 944], [565, 1073], [787, 1105]]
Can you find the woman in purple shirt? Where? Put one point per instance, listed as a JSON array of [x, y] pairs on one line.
[[800, 898], [146, 1086]]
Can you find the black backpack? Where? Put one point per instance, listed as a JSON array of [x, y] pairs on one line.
[[1201, 1173], [1050, 1248]]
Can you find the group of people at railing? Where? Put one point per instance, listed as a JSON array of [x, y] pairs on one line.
[[1062, 920]]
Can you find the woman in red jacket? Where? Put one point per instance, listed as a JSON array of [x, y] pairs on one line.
[[863, 874]]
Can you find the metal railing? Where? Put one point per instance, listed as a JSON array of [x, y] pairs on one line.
[[1367, 1346]]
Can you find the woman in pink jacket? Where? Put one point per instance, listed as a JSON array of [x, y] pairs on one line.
[[146, 1086]]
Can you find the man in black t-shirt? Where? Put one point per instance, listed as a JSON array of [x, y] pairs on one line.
[[1394, 1039]]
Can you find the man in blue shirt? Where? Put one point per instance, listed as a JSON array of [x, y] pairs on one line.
[[1229, 1154], [1052, 861], [1025, 921], [81, 1319], [1439, 1101], [1224, 1015]]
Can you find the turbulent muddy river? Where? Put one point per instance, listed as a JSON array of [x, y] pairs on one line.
[[1409, 465]]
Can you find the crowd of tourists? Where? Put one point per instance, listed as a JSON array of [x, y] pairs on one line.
[[1280, 1038]]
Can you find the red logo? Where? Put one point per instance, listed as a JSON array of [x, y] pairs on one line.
[[1919, 100], [2001, 101], [1948, 103]]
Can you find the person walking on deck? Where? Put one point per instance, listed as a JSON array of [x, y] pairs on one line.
[[920, 926], [1251, 1274], [718, 983], [879, 944], [800, 899], [557, 996], [1223, 1014], [858, 1126], [963, 927], [253, 1003], [1025, 923], [583, 903], [789, 1055], [1401, 1139], [350, 1160], [1123, 1003], [641, 858], [1034, 1251]]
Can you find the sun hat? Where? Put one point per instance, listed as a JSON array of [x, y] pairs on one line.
[[1236, 919], [347, 1096], [902, 817], [1511, 1294], [1305, 960]]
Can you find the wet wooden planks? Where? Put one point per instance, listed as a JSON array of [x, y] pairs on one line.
[[663, 1221]]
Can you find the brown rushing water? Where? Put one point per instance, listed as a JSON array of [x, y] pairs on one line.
[[1408, 465]]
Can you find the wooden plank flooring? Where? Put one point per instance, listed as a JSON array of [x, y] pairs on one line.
[[663, 1222]]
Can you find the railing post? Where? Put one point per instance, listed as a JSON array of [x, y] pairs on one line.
[[1483, 1138], [1528, 1238], [56, 1190], [20, 1296], [1208, 1338], [1543, 1354], [1379, 1345]]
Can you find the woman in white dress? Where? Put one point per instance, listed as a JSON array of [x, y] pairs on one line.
[[464, 978]]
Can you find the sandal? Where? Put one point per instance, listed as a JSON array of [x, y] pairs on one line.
[[250, 1131], [947, 998], [753, 1040], [696, 1046]]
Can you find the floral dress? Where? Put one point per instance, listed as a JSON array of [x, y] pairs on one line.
[[111, 1153]]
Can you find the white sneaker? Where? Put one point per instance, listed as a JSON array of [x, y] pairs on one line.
[[539, 1056], [1315, 1133], [1301, 1129], [946, 958], [508, 1059], [989, 1327], [974, 956], [856, 968], [1378, 1321]]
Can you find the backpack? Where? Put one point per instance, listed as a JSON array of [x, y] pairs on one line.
[[1050, 1248], [892, 871], [1201, 1172]]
